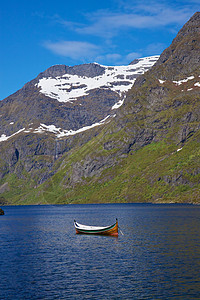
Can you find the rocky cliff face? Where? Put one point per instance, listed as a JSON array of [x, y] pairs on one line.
[[94, 149], [182, 57]]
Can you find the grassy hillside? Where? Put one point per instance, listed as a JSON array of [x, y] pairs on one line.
[[154, 173]]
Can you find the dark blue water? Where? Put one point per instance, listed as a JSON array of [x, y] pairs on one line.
[[158, 257]]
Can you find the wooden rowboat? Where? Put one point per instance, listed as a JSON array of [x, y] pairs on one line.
[[109, 230]]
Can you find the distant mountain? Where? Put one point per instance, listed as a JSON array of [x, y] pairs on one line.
[[64, 100], [144, 149]]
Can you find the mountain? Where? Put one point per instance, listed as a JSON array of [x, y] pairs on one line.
[[63, 100], [140, 144]]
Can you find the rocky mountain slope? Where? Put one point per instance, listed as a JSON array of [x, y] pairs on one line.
[[147, 150], [63, 100]]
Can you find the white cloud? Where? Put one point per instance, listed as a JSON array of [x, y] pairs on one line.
[[108, 59], [131, 56], [89, 52], [117, 59], [73, 49], [155, 48], [115, 24], [139, 16]]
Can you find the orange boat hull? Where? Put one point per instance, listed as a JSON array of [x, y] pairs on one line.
[[111, 230]]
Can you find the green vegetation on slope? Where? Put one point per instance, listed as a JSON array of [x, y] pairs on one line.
[[154, 173]]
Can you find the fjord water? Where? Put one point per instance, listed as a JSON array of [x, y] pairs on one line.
[[158, 257]]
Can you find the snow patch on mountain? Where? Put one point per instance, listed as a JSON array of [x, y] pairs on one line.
[[4, 138], [67, 88], [59, 132], [161, 81], [63, 133], [180, 82], [183, 80], [118, 104]]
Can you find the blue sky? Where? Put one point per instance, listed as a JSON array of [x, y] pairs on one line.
[[36, 34]]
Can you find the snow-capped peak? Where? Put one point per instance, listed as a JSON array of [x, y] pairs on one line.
[[119, 79]]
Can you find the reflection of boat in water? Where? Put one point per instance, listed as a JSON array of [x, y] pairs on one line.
[[109, 230]]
